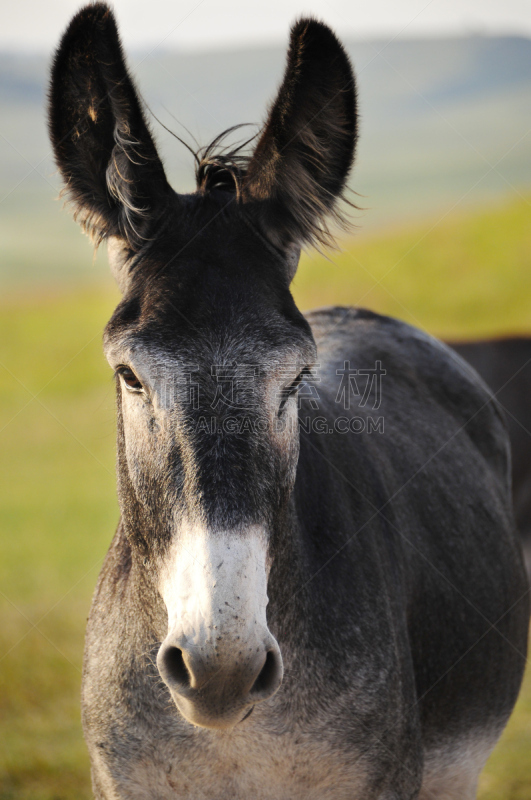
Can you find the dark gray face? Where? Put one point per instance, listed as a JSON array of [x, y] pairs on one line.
[[208, 346], [208, 445]]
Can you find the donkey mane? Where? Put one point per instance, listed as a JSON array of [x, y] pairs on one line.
[[225, 169], [221, 167]]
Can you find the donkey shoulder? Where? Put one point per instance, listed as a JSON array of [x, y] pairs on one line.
[[415, 364]]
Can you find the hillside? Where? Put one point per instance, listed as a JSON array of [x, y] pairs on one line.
[[443, 124]]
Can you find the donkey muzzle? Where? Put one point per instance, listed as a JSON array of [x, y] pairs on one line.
[[219, 657], [215, 689]]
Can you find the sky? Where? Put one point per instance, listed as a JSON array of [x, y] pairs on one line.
[[206, 24]]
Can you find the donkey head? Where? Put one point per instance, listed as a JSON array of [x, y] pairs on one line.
[[207, 344]]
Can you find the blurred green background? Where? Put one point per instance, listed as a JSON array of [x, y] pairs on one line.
[[444, 242]]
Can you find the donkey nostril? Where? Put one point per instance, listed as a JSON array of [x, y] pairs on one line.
[[270, 674], [175, 670]]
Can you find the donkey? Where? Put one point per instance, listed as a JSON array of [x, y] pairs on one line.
[[505, 366], [301, 601]]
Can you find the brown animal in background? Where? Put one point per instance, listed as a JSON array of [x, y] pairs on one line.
[[505, 366]]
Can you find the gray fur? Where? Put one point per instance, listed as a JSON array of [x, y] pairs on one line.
[[376, 573]]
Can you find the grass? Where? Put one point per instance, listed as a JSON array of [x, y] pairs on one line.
[[463, 275], [57, 515], [466, 276]]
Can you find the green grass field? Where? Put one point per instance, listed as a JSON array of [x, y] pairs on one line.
[[460, 277]]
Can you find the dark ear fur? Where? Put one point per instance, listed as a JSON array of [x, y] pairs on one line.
[[302, 160], [101, 141]]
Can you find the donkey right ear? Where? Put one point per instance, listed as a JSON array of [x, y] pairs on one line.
[[301, 163], [100, 138]]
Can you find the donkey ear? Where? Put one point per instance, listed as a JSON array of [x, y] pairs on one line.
[[101, 141], [303, 157]]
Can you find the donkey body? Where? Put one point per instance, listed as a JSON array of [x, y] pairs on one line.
[[392, 648]]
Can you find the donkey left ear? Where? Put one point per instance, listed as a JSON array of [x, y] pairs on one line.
[[303, 157], [101, 141]]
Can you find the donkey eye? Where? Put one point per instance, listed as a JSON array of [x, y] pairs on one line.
[[130, 379], [289, 390]]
